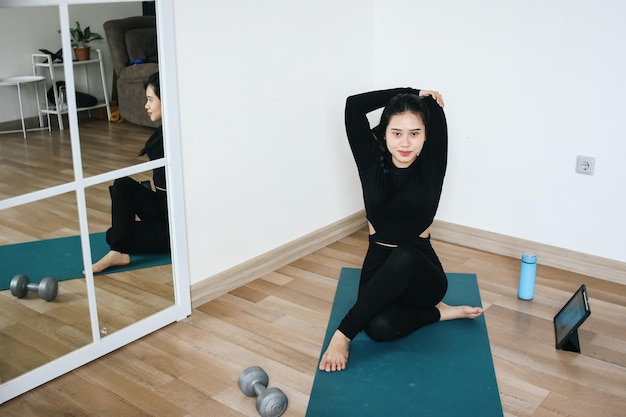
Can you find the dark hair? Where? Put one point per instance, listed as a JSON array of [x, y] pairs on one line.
[[153, 81], [398, 104]]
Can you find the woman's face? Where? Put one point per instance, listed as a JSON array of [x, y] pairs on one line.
[[153, 104], [405, 136]]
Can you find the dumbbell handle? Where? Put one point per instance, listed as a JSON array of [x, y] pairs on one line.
[[258, 388]]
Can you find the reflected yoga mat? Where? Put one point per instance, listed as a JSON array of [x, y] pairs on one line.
[[62, 259], [444, 369]]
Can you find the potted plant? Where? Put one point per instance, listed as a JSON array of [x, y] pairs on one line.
[[81, 39]]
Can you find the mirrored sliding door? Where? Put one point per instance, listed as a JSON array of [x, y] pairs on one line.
[[55, 206]]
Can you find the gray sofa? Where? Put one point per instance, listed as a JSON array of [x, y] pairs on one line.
[[129, 39]]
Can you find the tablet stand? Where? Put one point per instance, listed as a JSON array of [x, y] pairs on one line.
[[572, 344]]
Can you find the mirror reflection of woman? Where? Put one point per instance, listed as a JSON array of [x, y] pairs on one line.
[[131, 200]]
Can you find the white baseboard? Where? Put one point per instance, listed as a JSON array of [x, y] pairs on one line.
[[248, 271], [252, 269], [564, 259]]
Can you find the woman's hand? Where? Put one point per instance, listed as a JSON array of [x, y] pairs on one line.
[[434, 94]]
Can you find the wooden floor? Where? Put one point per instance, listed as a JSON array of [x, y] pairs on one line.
[[278, 321], [190, 368]]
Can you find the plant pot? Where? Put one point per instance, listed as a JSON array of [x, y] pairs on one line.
[[82, 54]]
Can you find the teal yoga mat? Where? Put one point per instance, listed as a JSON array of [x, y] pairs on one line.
[[62, 259], [442, 370]]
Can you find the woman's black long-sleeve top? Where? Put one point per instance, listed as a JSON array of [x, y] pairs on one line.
[[154, 150], [417, 189]]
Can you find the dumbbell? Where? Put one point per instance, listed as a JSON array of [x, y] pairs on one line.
[[47, 288], [271, 402]]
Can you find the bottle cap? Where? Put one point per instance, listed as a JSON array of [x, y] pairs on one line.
[[529, 257]]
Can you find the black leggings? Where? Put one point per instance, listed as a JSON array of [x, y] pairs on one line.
[[398, 291], [130, 199]]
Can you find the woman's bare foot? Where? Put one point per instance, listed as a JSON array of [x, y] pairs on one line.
[[336, 356], [112, 258], [458, 312]]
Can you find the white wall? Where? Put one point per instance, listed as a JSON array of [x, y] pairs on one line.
[[528, 85], [262, 88], [25, 30]]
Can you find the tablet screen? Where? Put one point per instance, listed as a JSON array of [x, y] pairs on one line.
[[571, 316]]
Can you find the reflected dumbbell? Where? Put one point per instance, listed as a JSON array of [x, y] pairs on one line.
[[47, 288], [271, 402]]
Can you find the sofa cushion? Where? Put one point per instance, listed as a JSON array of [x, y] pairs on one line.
[[142, 44], [138, 73]]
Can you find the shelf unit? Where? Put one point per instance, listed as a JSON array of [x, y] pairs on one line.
[[44, 62]]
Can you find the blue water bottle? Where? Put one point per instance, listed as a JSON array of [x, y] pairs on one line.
[[527, 274]]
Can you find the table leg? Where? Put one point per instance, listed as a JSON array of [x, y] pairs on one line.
[[19, 97]]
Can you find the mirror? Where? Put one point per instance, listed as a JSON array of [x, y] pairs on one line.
[[144, 287], [45, 184], [37, 238], [132, 295]]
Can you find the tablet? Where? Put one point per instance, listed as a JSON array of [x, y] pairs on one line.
[[569, 318]]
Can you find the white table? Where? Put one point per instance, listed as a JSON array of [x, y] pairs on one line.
[[18, 81]]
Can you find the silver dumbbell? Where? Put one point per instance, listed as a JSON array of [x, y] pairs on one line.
[[47, 288], [271, 402]]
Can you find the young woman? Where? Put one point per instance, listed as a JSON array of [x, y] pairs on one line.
[[131, 199], [401, 164]]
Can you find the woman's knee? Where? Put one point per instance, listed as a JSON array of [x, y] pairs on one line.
[[123, 184], [380, 329]]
